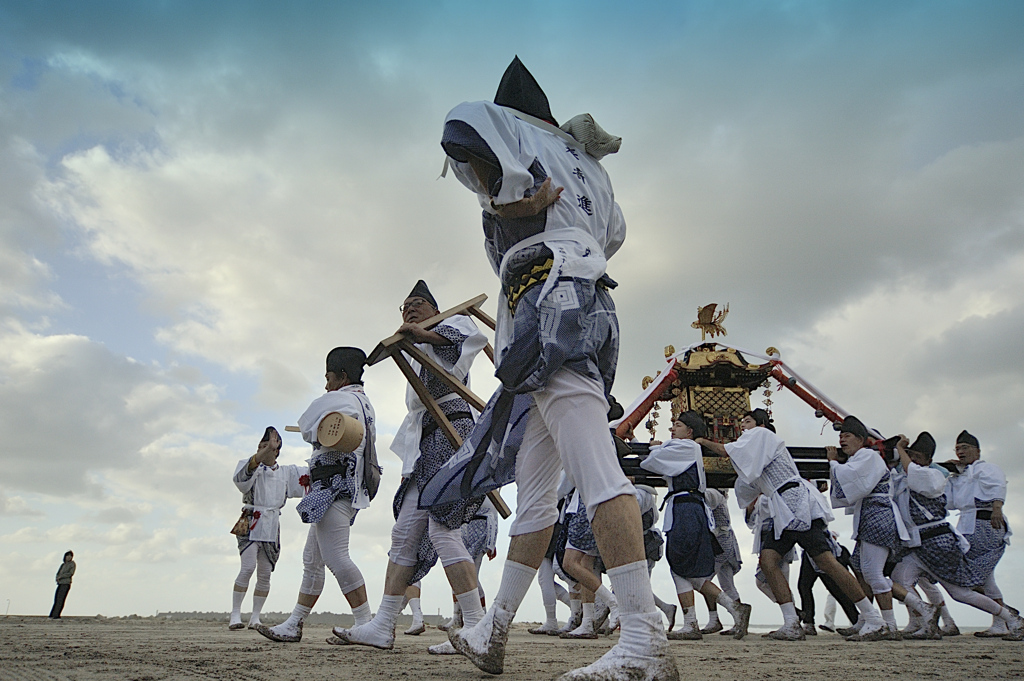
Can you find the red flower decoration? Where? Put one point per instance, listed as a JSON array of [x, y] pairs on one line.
[[304, 481], [255, 519]]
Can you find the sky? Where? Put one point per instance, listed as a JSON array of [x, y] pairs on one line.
[[198, 200]]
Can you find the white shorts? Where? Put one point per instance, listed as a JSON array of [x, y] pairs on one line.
[[567, 427]]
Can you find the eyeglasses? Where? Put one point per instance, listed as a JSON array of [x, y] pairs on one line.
[[415, 302]]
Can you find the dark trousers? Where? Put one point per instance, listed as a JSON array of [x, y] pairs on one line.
[[805, 584], [59, 598]]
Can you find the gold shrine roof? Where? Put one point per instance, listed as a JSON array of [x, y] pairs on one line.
[[714, 365]]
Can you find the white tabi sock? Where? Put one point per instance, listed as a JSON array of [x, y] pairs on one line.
[[562, 594], [608, 598], [713, 617], [516, 579], [257, 607], [727, 602], [689, 616], [295, 619], [575, 607], [789, 614], [890, 618], [362, 614], [914, 604], [1006, 615], [605, 594], [631, 585], [588, 615], [551, 611], [868, 612], [417, 613], [946, 615], [236, 604], [387, 614], [472, 611], [642, 633]]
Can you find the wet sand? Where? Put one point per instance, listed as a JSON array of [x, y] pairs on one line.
[[148, 649]]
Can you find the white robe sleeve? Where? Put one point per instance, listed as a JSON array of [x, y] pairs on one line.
[[616, 232], [338, 400], [926, 481], [295, 490], [242, 478], [858, 476], [990, 482], [745, 495], [754, 449], [673, 458], [713, 498]]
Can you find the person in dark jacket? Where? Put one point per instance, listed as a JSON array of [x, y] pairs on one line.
[[64, 574]]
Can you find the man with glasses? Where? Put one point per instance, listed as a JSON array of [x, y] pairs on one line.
[[419, 537], [978, 489]]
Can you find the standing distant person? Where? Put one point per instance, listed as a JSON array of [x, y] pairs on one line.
[[64, 574]]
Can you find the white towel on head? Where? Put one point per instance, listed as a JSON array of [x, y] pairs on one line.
[[592, 136]]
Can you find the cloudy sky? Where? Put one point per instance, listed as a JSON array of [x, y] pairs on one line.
[[198, 200]]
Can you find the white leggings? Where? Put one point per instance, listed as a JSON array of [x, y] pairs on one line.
[[910, 570], [327, 544], [567, 427], [685, 585], [725, 579], [931, 592], [991, 588], [549, 590], [872, 567], [408, 530], [254, 560]]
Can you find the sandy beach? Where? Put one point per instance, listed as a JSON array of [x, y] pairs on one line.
[[147, 649]]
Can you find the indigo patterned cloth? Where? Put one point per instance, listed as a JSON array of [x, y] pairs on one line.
[[323, 493], [573, 327], [987, 543]]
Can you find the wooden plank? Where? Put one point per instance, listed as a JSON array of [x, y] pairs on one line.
[[390, 344], [428, 400], [439, 371], [489, 351], [483, 316], [293, 429], [446, 426], [503, 510]]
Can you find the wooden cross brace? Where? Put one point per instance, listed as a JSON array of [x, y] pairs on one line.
[[398, 343]]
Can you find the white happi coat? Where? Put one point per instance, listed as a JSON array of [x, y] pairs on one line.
[[858, 478], [351, 401], [750, 455], [407, 440], [673, 458], [271, 487], [583, 228], [980, 480]]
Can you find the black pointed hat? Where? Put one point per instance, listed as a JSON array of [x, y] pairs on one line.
[[924, 444], [854, 426], [965, 438], [420, 290], [762, 418], [519, 90], [347, 359], [695, 420]]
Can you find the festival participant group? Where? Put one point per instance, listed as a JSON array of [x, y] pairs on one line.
[[550, 224]]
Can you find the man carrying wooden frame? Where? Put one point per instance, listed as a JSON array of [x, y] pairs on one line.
[[435, 355]]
